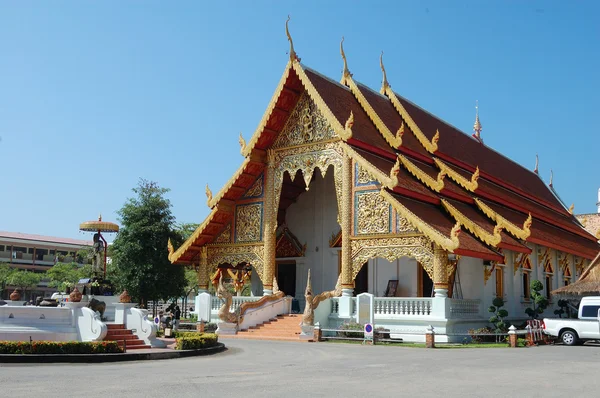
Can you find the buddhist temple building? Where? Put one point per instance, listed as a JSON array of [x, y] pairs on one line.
[[362, 185]]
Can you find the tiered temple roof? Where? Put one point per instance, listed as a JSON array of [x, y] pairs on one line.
[[437, 176]]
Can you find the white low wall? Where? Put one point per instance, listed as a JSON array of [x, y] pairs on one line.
[[74, 322], [268, 311]]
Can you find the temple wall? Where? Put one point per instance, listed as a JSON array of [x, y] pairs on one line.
[[405, 270], [471, 277], [313, 219]]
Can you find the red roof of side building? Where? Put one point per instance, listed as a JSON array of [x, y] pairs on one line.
[[45, 239]]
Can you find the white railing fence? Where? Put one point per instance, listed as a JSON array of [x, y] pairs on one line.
[[402, 306]]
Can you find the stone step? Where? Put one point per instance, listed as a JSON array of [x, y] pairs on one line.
[[121, 337], [113, 326], [131, 343], [254, 337], [137, 347], [114, 332]]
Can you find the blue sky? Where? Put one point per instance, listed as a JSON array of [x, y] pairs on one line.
[[95, 95]]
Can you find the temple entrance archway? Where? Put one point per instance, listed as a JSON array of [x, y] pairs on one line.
[[286, 277]]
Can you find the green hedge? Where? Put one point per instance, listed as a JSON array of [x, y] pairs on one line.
[[59, 347], [195, 340]]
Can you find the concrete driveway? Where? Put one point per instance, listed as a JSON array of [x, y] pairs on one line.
[[252, 368]]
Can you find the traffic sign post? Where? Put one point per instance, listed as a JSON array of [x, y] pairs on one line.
[[368, 333]]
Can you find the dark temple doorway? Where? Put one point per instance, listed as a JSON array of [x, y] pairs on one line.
[[286, 277]]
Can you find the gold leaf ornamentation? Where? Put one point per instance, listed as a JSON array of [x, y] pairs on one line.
[[372, 213], [469, 184], [256, 190], [391, 249], [493, 239], [225, 236], [519, 232], [435, 184], [235, 254], [248, 222], [306, 124], [403, 226]]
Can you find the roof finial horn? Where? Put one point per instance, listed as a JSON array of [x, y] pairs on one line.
[[477, 126], [551, 177], [384, 84], [537, 164], [293, 56], [346, 73]]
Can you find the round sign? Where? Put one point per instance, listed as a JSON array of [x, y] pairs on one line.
[[368, 328], [156, 320]]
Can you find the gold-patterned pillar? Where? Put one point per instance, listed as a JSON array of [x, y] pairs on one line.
[[440, 272], [203, 271], [346, 224], [270, 226]]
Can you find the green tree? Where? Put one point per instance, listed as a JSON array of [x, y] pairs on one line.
[[24, 280], [5, 274], [540, 303], [186, 230], [498, 315], [140, 254]]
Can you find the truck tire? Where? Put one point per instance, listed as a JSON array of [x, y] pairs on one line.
[[569, 337]]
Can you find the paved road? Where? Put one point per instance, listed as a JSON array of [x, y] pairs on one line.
[[277, 369]]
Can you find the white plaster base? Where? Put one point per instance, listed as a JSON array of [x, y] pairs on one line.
[[307, 332], [227, 328]]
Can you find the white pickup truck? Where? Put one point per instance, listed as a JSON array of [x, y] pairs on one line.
[[574, 331]]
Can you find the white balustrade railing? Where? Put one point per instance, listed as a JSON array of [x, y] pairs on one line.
[[417, 306], [335, 305], [465, 308], [216, 302]]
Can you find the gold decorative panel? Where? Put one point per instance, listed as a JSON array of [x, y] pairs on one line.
[[256, 190], [391, 249], [305, 125], [363, 177], [372, 214], [234, 255], [225, 236], [248, 223], [403, 226]]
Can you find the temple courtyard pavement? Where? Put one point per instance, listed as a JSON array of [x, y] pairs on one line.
[[251, 368]]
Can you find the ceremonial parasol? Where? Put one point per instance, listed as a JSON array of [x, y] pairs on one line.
[[99, 226]]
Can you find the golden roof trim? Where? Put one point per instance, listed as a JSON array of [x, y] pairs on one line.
[[490, 239], [384, 83], [447, 243], [293, 56], [519, 232], [430, 146], [174, 256], [470, 185], [394, 140], [389, 181], [344, 132], [346, 73], [435, 184], [213, 200]]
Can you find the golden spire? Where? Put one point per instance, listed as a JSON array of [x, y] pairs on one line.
[[293, 55], [346, 73], [384, 83], [537, 164], [477, 126]]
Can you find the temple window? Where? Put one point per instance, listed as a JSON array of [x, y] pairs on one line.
[[567, 276], [548, 274], [526, 270], [499, 281]]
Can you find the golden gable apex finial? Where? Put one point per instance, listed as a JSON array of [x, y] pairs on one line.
[[293, 56], [477, 126], [242, 142], [209, 195], [384, 84], [572, 208], [346, 73]]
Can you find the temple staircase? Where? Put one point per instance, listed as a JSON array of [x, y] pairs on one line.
[[281, 328], [124, 337]]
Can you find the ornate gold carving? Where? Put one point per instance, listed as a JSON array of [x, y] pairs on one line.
[[307, 159], [346, 73], [563, 261], [403, 226], [470, 185], [363, 177], [388, 181], [306, 124], [430, 146], [488, 271], [270, 221], [519, 232], [579, 266], [293, 56], [493, 239], [372, 213], [435, 184], [391, 249], [203, 269], [236, 254], [543, 257], [225, 236], [448, 243], [440, 268], [242, 142], [572, 208], [384, 83], [256, 189], [288, 245], [316, 97], [345, 215], [394, 140], [348, 125], [248, 222], [170, 248]]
